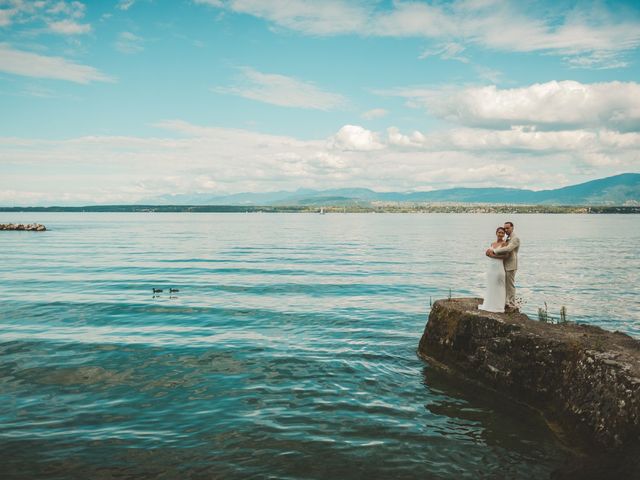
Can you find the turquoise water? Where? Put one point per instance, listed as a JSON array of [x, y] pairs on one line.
[[289, 351]]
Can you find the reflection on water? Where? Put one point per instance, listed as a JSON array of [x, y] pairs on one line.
[[289, 350]]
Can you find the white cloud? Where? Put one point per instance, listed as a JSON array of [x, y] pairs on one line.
[[328, 17], [580, 148], [488, 74], [128, 42], [283, 91], [73, 9], [125, 4], [599, 60], [495, 172], [416, 139], [588, 31], [414, 19], [188, 158], [29, 64], [12, 11], [39, 91], [552, 105], [213, 3], [447, 51], [5, 17], [355, 137], [59, 16], [69, 27], [374, 113], [521, 140]]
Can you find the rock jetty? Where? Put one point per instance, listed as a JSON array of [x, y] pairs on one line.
[[35, 227], [585, 380]]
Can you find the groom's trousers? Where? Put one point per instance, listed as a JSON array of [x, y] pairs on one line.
[[510, 280]]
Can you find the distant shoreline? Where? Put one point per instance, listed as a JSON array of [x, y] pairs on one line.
[[397, 208]]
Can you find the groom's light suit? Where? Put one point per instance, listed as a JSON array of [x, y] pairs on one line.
[[510, 267]]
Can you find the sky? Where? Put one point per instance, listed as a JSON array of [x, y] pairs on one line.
[[122, 101]]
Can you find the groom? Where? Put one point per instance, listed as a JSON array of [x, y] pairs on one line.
[[510, 264]]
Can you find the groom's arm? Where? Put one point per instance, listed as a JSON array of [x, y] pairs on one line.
[[513, 244]]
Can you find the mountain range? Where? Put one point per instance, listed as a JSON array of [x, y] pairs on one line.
[[623, 189]]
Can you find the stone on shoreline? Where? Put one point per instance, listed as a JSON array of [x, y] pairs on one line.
[[35, 227], [582, 378]]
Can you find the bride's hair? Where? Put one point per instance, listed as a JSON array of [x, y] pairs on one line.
[[500, 228]]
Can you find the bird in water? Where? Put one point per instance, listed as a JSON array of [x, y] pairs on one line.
[[157, 290], [173, 290]]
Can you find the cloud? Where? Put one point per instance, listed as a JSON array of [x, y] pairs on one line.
[[13, 11], [5, 17], [599, 60], [59, 16], [329, 17], [587, 36], [414, 19], [213, 3], [73, 9], [282, 90], [69, 27], [496, 172], [39, 91], [125, 4], [488, 74], [189, 158], [29, 64], [447, 51], [374, 113], [354, 137], [553, 105], [128, 42], [416, 139], [519, 140], [581, 148]]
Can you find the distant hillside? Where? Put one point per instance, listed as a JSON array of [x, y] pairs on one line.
[[617, 190], [621, 189]]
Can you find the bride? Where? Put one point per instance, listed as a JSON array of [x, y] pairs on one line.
[[495, 293]]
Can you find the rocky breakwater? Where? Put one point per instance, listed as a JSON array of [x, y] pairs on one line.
[[34, 227], [584, 380]]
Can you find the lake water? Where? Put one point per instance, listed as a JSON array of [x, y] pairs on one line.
[[289, 351]]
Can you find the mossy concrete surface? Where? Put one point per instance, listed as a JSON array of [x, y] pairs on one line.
[[584, 379]]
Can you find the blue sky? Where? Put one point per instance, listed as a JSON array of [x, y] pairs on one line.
[[121, 101]]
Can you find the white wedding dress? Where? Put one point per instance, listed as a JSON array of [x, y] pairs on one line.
[[495, 294]]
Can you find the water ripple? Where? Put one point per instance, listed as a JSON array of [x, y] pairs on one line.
[[289, 350]]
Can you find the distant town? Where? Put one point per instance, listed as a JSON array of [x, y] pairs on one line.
[[370, 208]]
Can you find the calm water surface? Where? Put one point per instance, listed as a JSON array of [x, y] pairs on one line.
[[289, 351]]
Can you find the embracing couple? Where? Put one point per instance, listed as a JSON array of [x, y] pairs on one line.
[[500, 295]]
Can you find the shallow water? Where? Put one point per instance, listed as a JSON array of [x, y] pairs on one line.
[[289, 351]]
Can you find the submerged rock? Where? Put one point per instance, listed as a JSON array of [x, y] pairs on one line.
[[585, 380], [35, 227]]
